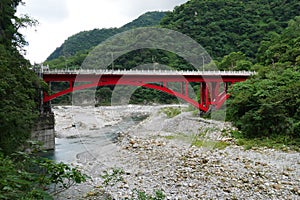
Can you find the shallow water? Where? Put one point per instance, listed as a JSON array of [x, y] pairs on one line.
[[89, 140]]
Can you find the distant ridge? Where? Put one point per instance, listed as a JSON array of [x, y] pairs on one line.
[[85, 40]]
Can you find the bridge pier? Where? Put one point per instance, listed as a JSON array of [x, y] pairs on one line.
[[43, 131]]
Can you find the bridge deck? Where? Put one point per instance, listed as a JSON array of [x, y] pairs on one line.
[[150, 72]]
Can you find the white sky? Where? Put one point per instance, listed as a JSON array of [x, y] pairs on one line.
[[59, 19]]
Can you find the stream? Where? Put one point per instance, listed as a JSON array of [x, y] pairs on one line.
[[80, 131]]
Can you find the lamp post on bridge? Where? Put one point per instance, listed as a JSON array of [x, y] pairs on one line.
[[112, 61], [202, 63]]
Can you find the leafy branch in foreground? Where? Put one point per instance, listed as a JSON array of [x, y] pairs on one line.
[[25, 176]]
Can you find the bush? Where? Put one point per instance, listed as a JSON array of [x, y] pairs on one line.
[[25, 176]]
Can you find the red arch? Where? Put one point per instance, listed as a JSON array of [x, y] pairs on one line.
[[147, 85]]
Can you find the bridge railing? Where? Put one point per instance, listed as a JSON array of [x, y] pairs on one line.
[[148, 72]]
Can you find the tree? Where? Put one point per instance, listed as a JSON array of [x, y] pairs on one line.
[[18, 85], [267, 105], [235, 61]]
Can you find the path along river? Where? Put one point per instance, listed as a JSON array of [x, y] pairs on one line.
[[157, 154]]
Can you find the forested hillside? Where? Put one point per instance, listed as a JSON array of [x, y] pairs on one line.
[[222, 27], [82, 42], [259, 35]]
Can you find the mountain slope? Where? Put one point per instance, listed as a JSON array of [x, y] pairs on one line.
[[222, 27], [85, 40]]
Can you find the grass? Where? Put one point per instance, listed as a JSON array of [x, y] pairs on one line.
[[141, 195], [276, 142], [210, 144], [197, 141], [171, 111], [181, 137]]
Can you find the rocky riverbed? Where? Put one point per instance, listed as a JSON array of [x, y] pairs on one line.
[[183, 157]]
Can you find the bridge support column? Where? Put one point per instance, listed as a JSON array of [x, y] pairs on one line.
[[43, 131], [187, 89], [71, 85], [215, 91], [204, 94]]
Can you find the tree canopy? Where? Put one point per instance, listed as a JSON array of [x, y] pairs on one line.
[[222, 27], [18, 86], [267, 105]]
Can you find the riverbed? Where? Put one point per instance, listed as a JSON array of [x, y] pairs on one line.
[[155, 153]]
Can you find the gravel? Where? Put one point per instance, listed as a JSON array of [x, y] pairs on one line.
[[158, 155]]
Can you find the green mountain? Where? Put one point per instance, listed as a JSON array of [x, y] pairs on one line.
[[85, 40], [222, 27]]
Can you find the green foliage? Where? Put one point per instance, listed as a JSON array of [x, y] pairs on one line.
[[283, 48], [210, 144], [267, 105], [278, 142], [9, 25], [145, 96], [103, 96], [235, 33], [141, 195], [112, 176], [145, 20], [25, 176], [235, 61], [222, 27], [19, 86], [181, 137]]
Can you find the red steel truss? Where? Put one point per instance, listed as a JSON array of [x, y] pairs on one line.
[[213, 87]]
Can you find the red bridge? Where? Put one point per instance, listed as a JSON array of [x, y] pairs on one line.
[[213, 85]]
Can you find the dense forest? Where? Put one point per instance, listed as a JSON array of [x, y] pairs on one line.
[[222, 27], [267, 105], [19, 98]]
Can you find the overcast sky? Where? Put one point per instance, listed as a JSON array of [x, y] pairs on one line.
[[59, 19]]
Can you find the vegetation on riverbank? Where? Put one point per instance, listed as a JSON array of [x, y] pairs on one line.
[[278, 142], [23, 175], [267, 105], [19, 94]]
